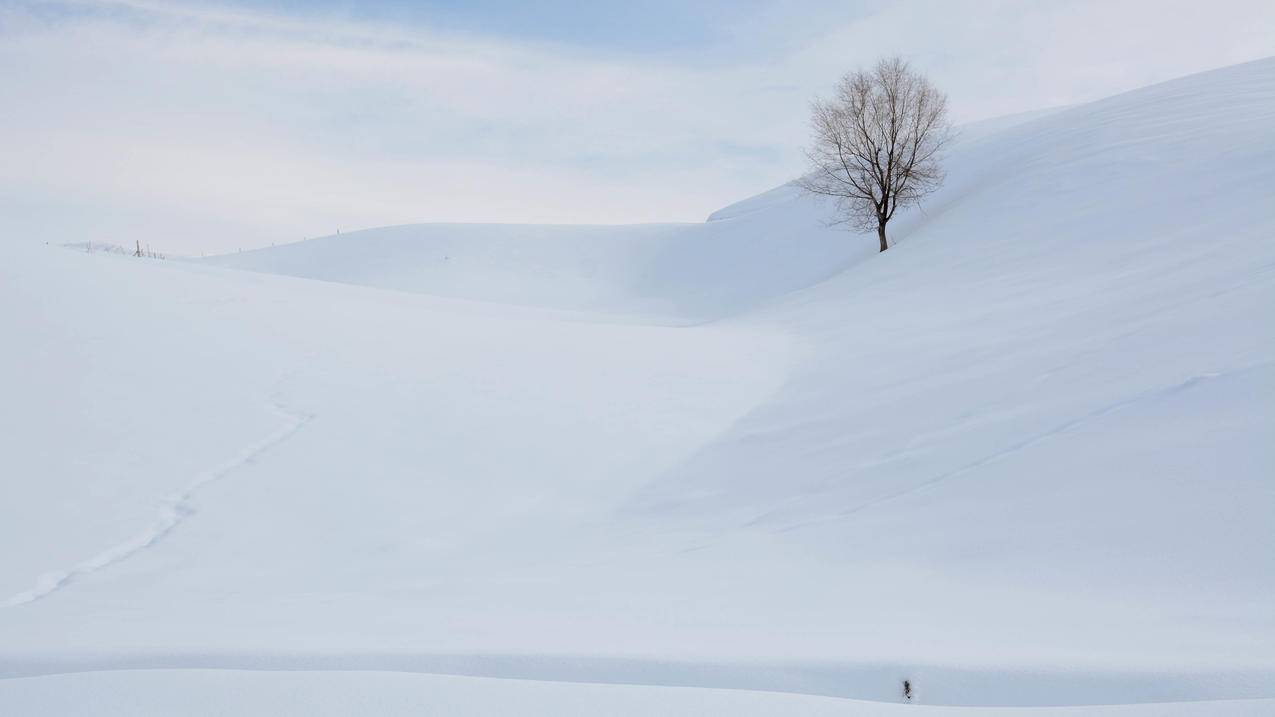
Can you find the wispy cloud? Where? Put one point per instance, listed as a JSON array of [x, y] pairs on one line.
[[205, 128]]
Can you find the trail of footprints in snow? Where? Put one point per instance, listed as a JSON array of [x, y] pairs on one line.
[[173, 511]]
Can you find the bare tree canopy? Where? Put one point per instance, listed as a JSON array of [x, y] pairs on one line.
[[877, 144]]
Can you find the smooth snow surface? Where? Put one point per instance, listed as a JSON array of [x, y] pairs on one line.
[[670, 273], [1024, 459], [205, 693]]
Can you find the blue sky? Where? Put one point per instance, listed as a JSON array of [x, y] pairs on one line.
[[209, 126]]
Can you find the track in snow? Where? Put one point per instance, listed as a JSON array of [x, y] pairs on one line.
[[173, 511]]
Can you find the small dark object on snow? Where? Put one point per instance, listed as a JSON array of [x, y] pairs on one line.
[[907, 689]]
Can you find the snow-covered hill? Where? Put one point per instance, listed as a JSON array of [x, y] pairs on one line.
[[1021, 459], [744, 255], [653, 272]]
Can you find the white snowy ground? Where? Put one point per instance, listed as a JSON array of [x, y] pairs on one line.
[[1022, 460]]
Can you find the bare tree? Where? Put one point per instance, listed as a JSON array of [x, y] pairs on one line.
[[877, 144]]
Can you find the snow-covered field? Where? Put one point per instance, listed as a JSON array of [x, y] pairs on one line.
[[1023, 460]]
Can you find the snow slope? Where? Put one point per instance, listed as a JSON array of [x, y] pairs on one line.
[[1022, 460], [653, 272]]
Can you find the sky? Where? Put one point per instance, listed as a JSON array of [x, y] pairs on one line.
[[202, 128]]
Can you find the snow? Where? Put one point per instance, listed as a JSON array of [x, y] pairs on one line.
[[1022, 459], [386, 694], [661, 273]]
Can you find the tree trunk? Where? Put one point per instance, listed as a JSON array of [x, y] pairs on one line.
[[881, 235]]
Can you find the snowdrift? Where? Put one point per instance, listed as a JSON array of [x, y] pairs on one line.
[[1023, 459], [654, 272]]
